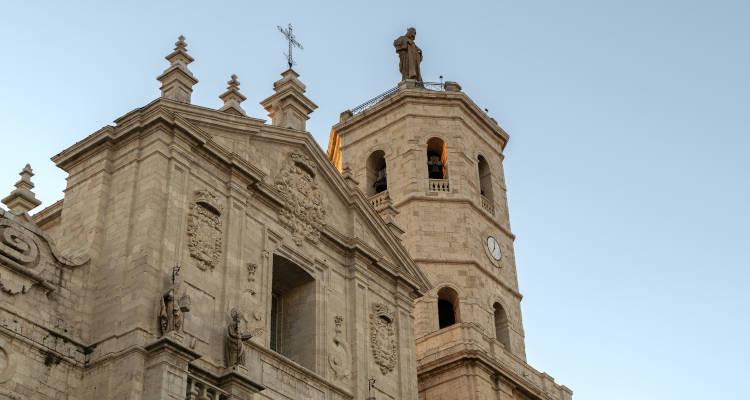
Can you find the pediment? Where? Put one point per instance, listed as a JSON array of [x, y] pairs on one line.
[[261, 153], [315, 199]]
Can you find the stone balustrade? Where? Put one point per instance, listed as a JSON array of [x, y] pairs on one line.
[[438, 185], [487, 204], [198, 389], [380, 200]]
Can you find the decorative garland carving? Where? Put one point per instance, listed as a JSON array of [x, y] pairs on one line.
[[251, 268], [13, 284], [338, 358], [303, 210], [383, 337], [205, 229]]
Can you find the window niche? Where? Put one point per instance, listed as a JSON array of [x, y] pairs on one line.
[[437, 166], [447, 307], [502, 326], [293, 324], [377, 178], [485, 177]]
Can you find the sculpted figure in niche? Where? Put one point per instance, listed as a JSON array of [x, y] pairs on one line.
[[409, 55], [236, 339], [172, 308]]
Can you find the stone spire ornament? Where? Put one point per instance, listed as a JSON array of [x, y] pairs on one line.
[[232, 97], [177, 81], [289, 107], [22, 200]]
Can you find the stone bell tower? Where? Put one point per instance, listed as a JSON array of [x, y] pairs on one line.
[[431, 162]]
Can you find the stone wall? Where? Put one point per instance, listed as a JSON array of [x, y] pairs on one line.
[[173, 184]]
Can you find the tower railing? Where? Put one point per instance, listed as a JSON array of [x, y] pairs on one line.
[[434, 86], [369, 103]]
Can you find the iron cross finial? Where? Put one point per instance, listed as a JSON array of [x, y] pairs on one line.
[[292, 43]]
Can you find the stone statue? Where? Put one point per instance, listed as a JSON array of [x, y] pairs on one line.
[[235, 342], [172, 308], [409, 55]]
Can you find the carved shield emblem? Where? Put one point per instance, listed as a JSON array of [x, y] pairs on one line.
[[205, 230], [303, 210], [383, 337]]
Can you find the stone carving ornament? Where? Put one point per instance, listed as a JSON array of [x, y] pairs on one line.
[[7, 366], [25, 253], [338, 358], [205, 229], [303, 210], [20, 254], [383, 337], [17, 248]]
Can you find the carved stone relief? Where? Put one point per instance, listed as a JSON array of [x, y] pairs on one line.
[[13, 284], [303, 210], [383, 337], [24, 252], [251, 269], [338, 358], [17, 248], [205, 229], [7, 367]]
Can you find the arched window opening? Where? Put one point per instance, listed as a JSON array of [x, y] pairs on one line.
[[293, 322], [485, 177], [377, 179], [447, 307], [437, 167], [502, 327]]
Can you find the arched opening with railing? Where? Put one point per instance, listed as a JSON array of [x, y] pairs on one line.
[[502, 327], [447, 307], [485, 177], [376, 173], [437, 159]]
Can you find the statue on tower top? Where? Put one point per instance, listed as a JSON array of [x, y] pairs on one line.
[[409, 55]]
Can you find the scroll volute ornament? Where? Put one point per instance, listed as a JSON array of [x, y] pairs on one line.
[[26, 254], [205, 231], [303, 210], [383, 337], [19, 251]]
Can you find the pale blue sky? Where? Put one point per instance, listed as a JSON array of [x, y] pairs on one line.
[[627, 168]]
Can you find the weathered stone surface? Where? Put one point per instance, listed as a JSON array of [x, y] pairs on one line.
[[337, 287], [446, 193]]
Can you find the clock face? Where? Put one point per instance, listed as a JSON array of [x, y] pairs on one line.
[[494, 248]]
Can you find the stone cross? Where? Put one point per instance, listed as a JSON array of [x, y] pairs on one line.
[[292, 43]]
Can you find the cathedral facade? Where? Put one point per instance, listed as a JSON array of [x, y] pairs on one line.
[[201, 253]]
